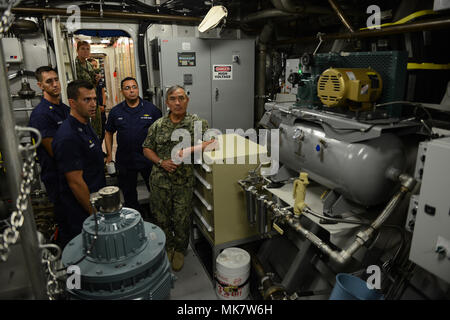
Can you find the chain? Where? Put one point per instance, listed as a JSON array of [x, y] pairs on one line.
[[53, 266], [11, 233], [7, 18]]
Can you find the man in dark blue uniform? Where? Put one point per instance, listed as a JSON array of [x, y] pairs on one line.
[[79, 159], [47, 116], [131, 119]]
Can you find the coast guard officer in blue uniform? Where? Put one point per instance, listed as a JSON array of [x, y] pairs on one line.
[[47, 116], [131, 120], [79, 158]]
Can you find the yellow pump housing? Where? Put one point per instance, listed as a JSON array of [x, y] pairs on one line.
[[359, 85]]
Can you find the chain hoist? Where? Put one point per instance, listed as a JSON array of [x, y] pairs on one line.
[[10, 234], [7, 18]]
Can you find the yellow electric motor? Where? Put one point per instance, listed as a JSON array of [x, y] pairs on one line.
[[355, 87]]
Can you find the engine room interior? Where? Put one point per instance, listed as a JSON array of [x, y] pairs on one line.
[[328, 176]]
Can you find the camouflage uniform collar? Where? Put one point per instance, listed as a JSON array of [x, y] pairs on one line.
[[183, 123], [79, 61], [87, 65]]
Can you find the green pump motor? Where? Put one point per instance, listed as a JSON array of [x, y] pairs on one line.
[[125, 256]]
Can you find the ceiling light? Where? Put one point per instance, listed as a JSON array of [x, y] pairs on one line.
[[214, 16]]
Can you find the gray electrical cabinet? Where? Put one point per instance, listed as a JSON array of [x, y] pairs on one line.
[[430, 247], [218, 76]]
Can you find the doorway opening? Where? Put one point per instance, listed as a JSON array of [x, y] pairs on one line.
[[113, 51]]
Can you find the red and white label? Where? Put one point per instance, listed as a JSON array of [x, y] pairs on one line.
[[222, 72]]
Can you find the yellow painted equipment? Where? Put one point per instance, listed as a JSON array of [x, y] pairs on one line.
[[299, 193], [355, 87]]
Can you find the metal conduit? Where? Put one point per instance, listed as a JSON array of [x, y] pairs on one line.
[[342, 257], [341, 15], [413, 27], [269, 290], [107, 14]]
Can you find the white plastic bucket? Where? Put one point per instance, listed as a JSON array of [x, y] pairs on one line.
[[232, 273]]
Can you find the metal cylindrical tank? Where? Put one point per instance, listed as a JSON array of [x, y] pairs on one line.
[[127, 260], [358, 171]]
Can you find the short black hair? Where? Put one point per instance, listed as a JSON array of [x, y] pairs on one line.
[[82, 43], [40, 70], [72, 88], [172, 89], [127, 79]]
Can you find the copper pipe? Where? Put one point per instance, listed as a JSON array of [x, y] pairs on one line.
[[341, 15], [413, 27], [107, 14]]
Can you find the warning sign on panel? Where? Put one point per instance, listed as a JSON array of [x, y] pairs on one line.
[[222, 72]]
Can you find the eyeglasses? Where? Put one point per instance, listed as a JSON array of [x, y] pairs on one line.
[[128, 87], [179, 98]]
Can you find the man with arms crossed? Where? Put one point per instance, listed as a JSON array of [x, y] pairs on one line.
[[79, 158]]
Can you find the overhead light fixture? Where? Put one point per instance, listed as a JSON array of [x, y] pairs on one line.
[[214, 16]]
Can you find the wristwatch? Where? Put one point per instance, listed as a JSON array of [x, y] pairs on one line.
[[159, 162]]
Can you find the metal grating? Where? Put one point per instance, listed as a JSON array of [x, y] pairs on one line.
[[162, 290]]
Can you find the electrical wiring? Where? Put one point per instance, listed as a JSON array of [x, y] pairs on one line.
[[414, 104], [336, 219]]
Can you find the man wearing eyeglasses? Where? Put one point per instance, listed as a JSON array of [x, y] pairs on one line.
[[171, 184], [131, 120]]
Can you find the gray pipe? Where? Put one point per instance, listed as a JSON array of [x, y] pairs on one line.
[[9, 145], [264, 38], [342, 257], [250, 205], [261, 214], [49, 59], [108, 14]]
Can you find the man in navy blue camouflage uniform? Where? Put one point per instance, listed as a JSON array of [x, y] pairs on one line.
[[79, 159], [131, 120], [47, 116]]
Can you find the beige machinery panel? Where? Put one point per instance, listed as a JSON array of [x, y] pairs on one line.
[[218, 197]]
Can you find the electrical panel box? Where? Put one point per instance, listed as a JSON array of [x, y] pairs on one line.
[[12, 50], [430, 246], [218, 76]]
